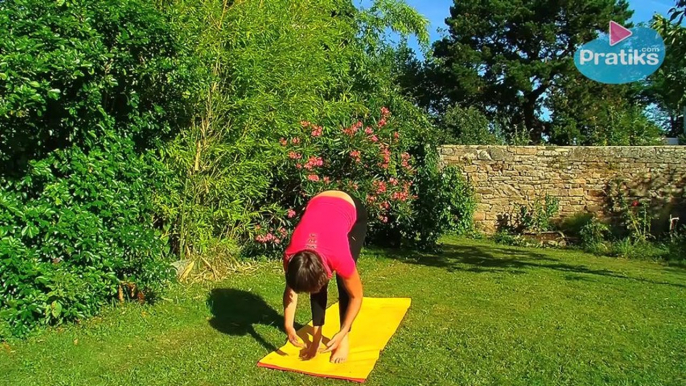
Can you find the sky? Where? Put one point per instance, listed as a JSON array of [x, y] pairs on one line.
[[438, 10]]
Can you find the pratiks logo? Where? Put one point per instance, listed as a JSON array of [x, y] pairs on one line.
[[624, 56]]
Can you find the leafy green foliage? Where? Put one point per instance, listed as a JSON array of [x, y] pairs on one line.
[[589, 113], [676, 247], [85, 229], [537, 216], [72, 70], [634, 215], [467, 126], [593, 233], [667, 87], [447, 201], [85, 88], [271, 65]]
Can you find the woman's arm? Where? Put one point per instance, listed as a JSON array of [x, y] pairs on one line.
[[290, 303], [353, 285]]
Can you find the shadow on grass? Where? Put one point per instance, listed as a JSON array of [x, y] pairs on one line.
[[236, 312], [487, 259]]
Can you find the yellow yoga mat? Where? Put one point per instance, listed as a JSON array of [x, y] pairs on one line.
[[375, 324]]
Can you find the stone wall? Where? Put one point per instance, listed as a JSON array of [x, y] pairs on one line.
[[504, 176]]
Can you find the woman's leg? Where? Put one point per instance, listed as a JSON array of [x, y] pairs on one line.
[[318, 306], [356, 239]]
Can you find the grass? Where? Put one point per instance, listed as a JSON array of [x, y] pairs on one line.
[[482, 314]]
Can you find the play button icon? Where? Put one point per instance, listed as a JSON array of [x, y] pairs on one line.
[[618, 33]]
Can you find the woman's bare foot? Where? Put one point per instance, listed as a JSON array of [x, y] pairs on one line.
[[310, 352], [340, 355]]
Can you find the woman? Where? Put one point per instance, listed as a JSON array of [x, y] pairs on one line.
[[328, 239]]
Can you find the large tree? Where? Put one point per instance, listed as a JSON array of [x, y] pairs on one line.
[[505, 56], [667, 87]]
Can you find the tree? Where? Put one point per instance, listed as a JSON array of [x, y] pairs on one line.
[[585, 112], [506, 56], [667, 87]]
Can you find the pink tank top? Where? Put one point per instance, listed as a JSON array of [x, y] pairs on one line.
[[324, 229]]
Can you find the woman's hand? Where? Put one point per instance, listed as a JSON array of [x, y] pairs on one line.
[[334, 342], [294, 339]]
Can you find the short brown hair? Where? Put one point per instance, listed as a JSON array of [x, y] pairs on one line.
[[306, 272]]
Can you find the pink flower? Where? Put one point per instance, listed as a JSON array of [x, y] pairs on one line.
[[371, 198], [393, 181], [313, 177], [277, 241], [369, 131], [327, 180], [298, 166], [401, 196], [317, 132], [635, 203], [406, 158], [257, 227], [294, 155], [283, 230], [385, 112], [313, 162], [374, 138], [382, 122], [291, 213], [295, 140], [380, 186], [304, 123], [383, 219], [283, 142], [353, 129], [396, 135]]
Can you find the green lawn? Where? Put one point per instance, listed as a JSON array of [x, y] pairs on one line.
[[481, 314]]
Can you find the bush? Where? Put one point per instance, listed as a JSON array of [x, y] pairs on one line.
[[676, 247], [537, 216], [447, 201], [634, 215], [592, 236], [369, 160], [72, 70], [87, 231], [372, 162], [632, 249], [86, 87], [593, 232]]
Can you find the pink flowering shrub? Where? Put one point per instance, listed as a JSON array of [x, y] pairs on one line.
[[368, 159]]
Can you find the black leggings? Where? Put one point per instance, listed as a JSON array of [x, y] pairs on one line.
[[356, 238]]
